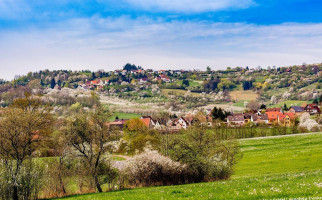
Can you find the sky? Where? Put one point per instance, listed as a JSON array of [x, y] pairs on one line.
[[157, 34]]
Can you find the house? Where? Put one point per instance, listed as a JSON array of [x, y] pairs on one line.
[[236, 119], [165, 78], [117, 124], [161, 71], [312, 109], [177, 124], [286, 119], [298, 110], [157, 125], [184, 124], [273, 117], [248, 117], [147, 121], [263, 118]]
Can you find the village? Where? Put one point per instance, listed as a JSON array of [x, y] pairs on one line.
[[266, 117]]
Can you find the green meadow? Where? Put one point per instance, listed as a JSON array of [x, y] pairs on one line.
[[275, 167]]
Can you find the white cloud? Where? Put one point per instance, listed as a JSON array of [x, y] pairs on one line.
[[97, 43], [190, 5]]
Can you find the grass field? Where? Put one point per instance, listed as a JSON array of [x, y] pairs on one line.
[[290, 103], [239, 104], [124, 116], [282, 167], [177, 92], [243, 95]]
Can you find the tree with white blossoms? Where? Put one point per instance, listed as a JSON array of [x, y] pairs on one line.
[[307, 122], [151, 168], [155, 89], [286, 95], [245, 103], [273, 100]]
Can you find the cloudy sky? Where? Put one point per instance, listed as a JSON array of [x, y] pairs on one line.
[[172, 34]]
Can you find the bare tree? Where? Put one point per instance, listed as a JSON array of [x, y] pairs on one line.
[[253, 105]]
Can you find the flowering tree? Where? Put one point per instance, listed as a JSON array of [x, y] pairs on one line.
[[23, 127], [308, 123]]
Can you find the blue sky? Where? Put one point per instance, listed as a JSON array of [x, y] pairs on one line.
[[106, 34]]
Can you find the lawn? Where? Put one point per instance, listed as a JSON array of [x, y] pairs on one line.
[[239, 104], [124, 116], [282, 167], [243, 95]]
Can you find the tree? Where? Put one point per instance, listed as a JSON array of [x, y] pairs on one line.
[[138, 136], [23, 127], [93, 76], [316, 101], [253, 105], [247, 85], [206, 157], [285, 108], [273, 100], [219, 114], [129, 67], [88, 135], [52, 83], [263, 106], [208, 70], [185, 83]]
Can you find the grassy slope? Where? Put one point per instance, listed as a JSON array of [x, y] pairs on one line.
[[271, 168], [125, 116], [290, 103], [280, 155]]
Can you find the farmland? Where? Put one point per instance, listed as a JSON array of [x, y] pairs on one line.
[[270, 168], [243, 95]]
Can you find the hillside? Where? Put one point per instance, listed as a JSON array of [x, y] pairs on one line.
[[277, 167], [145, 90]]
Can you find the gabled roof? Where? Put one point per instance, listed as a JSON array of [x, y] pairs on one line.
[[263, 117], [313, 107], [273, 115], [255, 117], [95, 82], [146, 121], [297, 108], [236, 118], [282, 116]]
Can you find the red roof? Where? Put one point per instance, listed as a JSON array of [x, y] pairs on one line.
[[146, 122], [282, 116], [272, 115], [95, 82]]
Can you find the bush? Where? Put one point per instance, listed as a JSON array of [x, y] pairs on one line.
[[150, 168], [27, 182], [206, 157]]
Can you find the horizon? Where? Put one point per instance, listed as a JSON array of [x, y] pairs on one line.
[[175, 34]]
